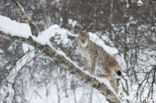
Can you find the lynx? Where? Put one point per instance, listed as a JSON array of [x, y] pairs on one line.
[[98, 59]]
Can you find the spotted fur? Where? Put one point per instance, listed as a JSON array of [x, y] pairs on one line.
[[98, 58]]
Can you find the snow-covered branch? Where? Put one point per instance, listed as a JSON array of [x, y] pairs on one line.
[[26, 18], [60, 59], [42, 43]]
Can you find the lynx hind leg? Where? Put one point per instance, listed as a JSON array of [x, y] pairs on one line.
[[114, 84], [85, 64], [107, 76], [111, 79], [93, 63]]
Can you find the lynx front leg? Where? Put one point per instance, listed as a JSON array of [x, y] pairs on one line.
[[93, 63], [85, 64]]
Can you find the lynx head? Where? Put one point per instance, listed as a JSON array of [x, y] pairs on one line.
[[83, 39]]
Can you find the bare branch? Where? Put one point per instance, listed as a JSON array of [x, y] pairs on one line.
[[25, 17], [68, 65]]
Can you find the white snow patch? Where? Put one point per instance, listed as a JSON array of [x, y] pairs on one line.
[[14, 28], [1, 51], [100, 42], [52, 31], [27, 47], [140, 3], [73, 23]]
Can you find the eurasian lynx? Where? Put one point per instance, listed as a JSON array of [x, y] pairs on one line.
[[98, 59]]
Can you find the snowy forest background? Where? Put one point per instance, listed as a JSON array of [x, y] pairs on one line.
[[127, 25]]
